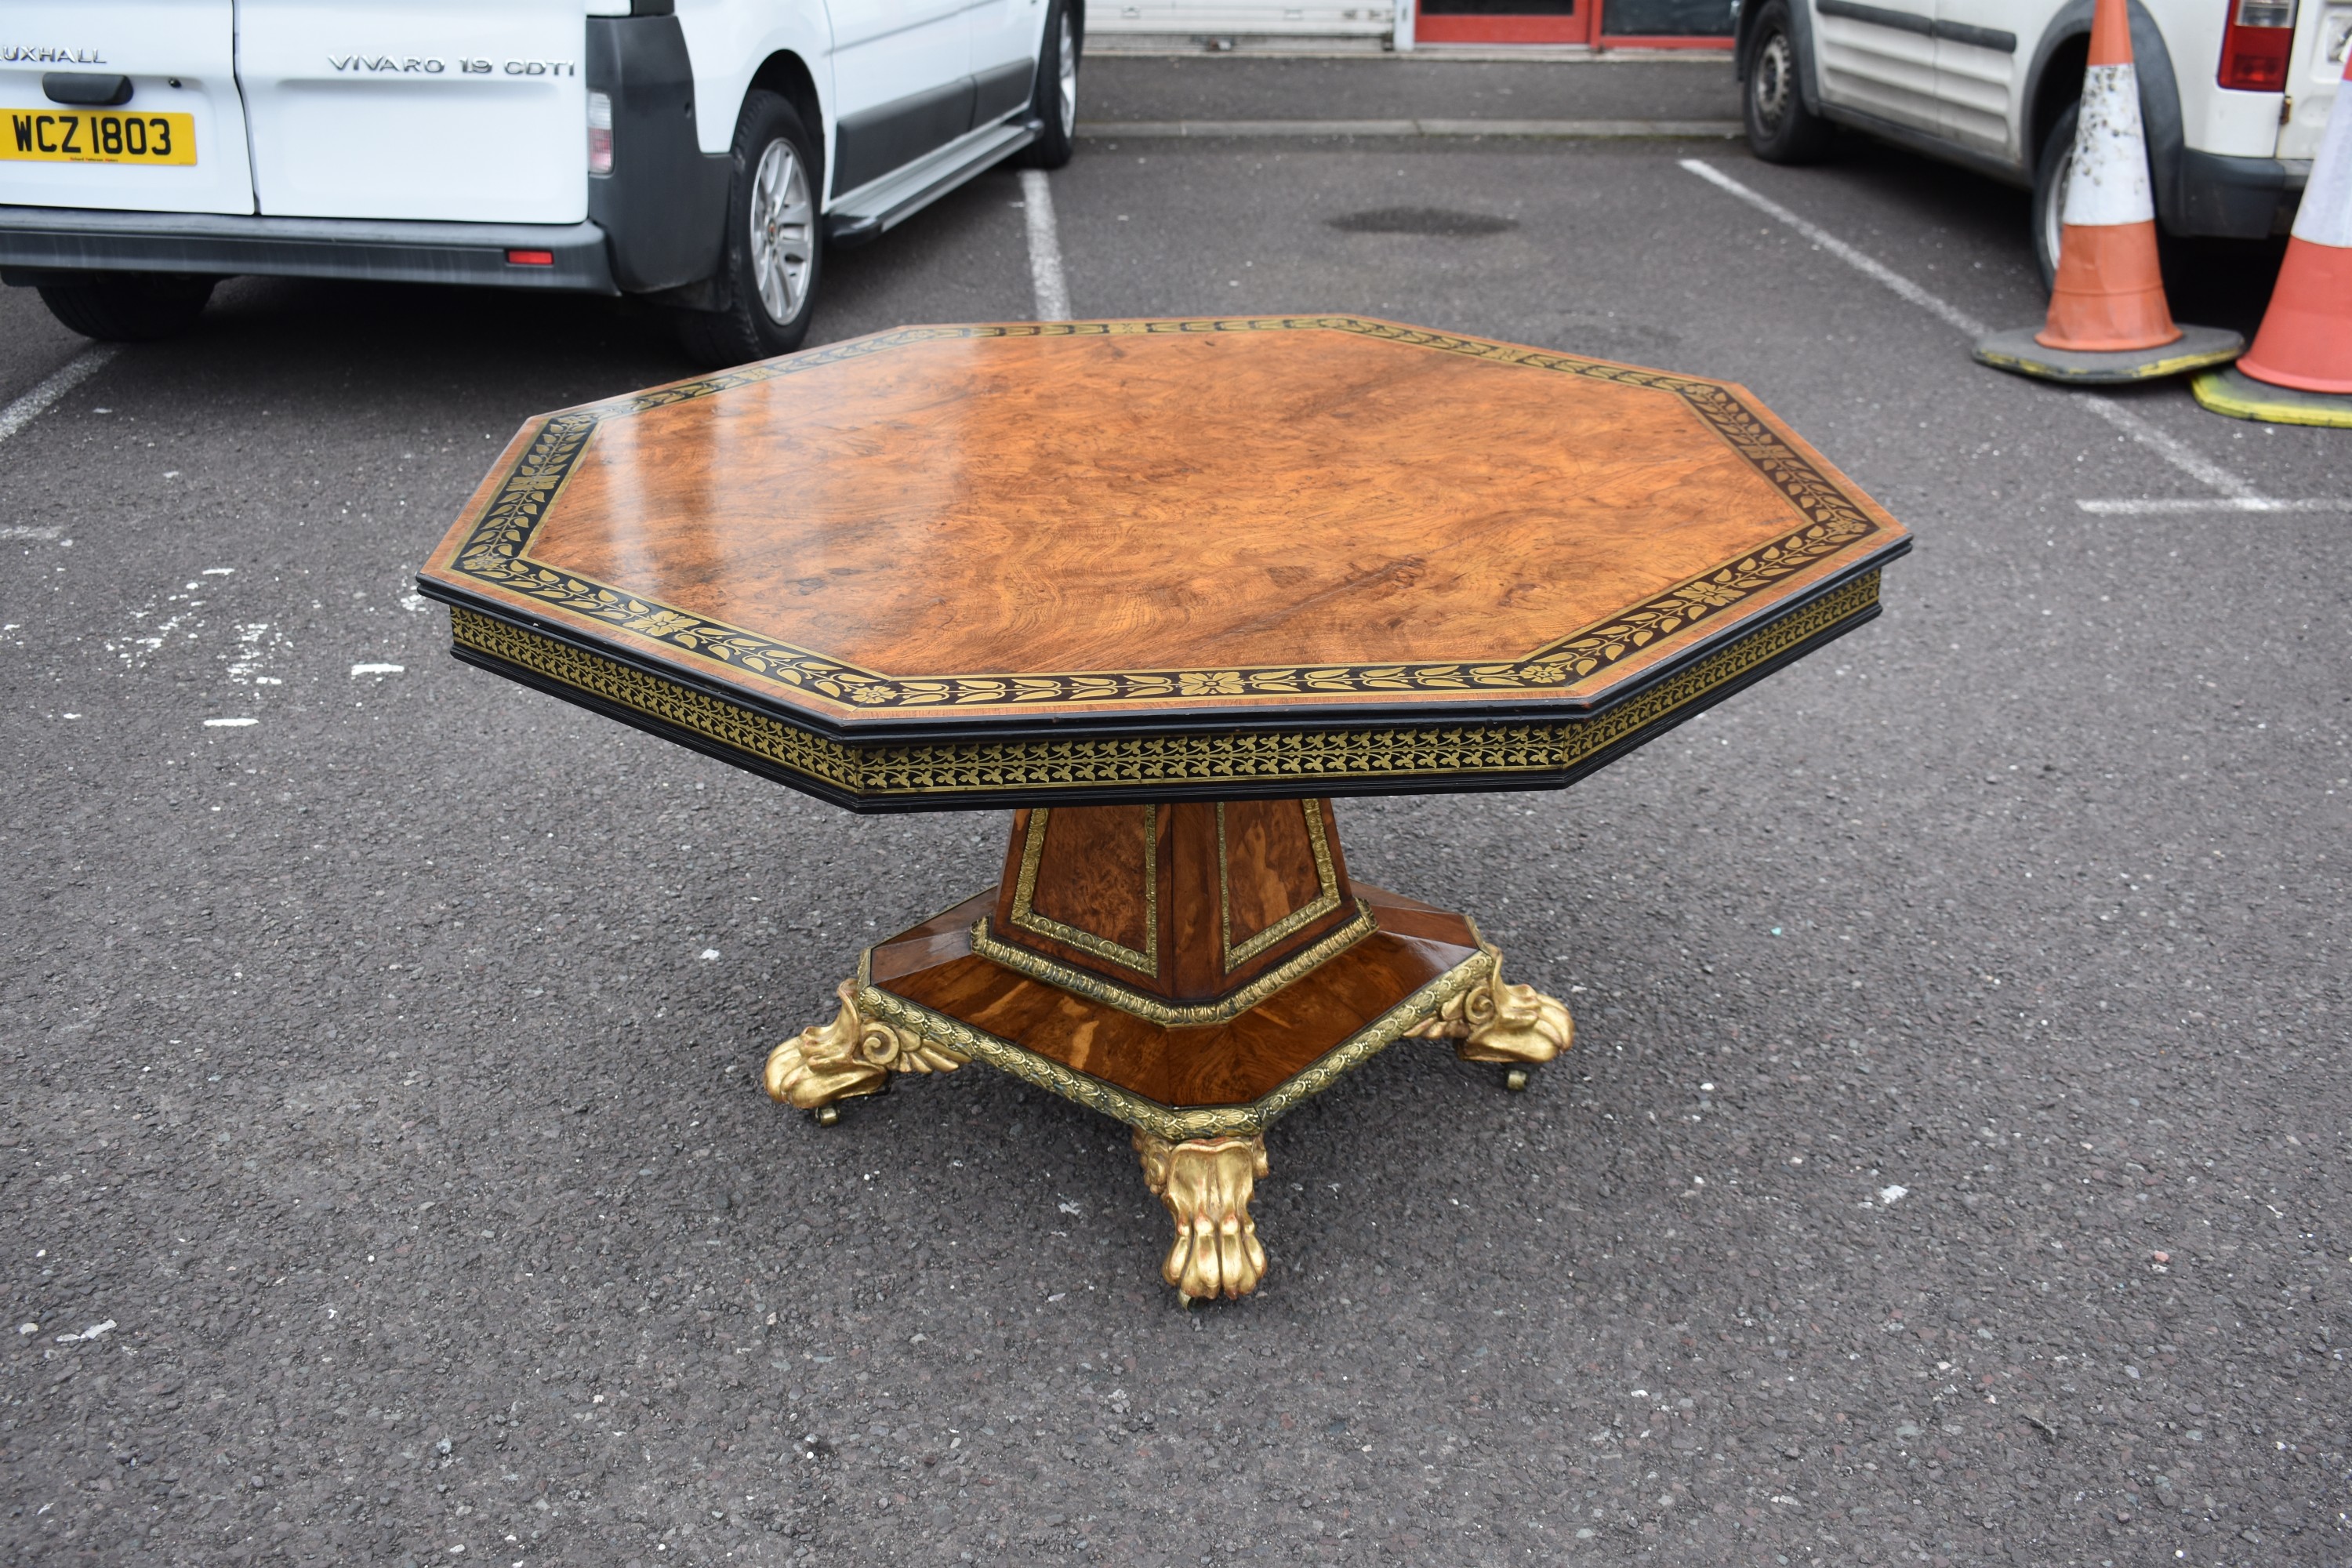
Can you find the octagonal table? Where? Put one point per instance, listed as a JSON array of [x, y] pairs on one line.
[[1164, 587]]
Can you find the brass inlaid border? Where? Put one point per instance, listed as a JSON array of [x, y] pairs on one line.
[[1028, 918], [1157, 1010], [1326, 897], [1161, 1121], [497, 550], [1316, 758]]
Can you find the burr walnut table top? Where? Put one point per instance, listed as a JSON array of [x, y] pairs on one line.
[[963, 565]]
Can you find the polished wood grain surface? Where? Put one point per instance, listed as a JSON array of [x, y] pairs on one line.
[[1126, 518], [1095, 874], [1070, 504], [1227, 1064]]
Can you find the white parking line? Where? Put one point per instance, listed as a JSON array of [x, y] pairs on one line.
[[2242, 497], [2209, 474], [1878, 271], [54, 385], [2177, 506], [1045, 280], [1552, 130]]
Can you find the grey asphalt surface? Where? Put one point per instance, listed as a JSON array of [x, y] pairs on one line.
[[1391, 87], [370, 1070]]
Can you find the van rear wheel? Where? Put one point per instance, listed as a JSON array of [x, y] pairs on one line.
[[1780, 129], [129, 306], [774, 249], [2051, 171]]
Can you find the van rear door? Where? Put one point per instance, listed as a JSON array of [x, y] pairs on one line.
[[461, 111], [175, 144]]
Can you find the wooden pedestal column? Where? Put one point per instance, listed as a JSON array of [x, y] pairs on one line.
[[1194, 970], [1174, 910]]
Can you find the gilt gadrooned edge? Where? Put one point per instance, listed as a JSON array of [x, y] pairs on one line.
[[1321, 759], [1167, 1122], [1173, 1014], [496, 553]]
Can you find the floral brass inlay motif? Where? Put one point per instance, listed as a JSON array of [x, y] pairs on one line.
[[498, 551], [880, 769]]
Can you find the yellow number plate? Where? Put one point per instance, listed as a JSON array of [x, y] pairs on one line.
[[97, 136]]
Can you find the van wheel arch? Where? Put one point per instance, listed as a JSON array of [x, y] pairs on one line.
[[2059, 88], [787, 76]]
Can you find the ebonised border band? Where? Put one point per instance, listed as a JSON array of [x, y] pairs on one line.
[[1433, 754]]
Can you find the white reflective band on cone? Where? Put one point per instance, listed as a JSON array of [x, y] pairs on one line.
[[2108, 181], [2325, 216]]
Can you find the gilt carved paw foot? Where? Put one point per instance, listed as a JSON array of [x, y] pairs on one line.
[[1518, 1025], [1207, 1185], [852, 1056]]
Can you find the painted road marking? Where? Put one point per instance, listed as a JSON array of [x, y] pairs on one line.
[[229, 723], [1553, 129], [1952, 315], [2179, 506], [41, 533], [360, 669], [54, 385], [2205, 472], [1045, 279]]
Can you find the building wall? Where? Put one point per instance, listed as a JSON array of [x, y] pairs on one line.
[[1364, 23], [1254, 19]]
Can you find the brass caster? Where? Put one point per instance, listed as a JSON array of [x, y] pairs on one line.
[[827, 1115], [1516, 1079]]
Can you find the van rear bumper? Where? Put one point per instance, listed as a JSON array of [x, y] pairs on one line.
[[51, 240], [2236, 198]]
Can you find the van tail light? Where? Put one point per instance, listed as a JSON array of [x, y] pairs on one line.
[[2254, 45], [600, 133]]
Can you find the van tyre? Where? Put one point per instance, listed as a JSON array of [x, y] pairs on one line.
[[1780, 129], [129, 306], [774, 246], [2050, 191], [1055, 104]]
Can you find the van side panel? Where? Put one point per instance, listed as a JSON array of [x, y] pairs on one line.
[[729, 40]]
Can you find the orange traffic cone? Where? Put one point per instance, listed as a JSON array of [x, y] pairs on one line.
[[2299, 371], [2108, 320]]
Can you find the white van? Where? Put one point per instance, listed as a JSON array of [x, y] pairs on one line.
[[702, 153], [2232, 94]]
